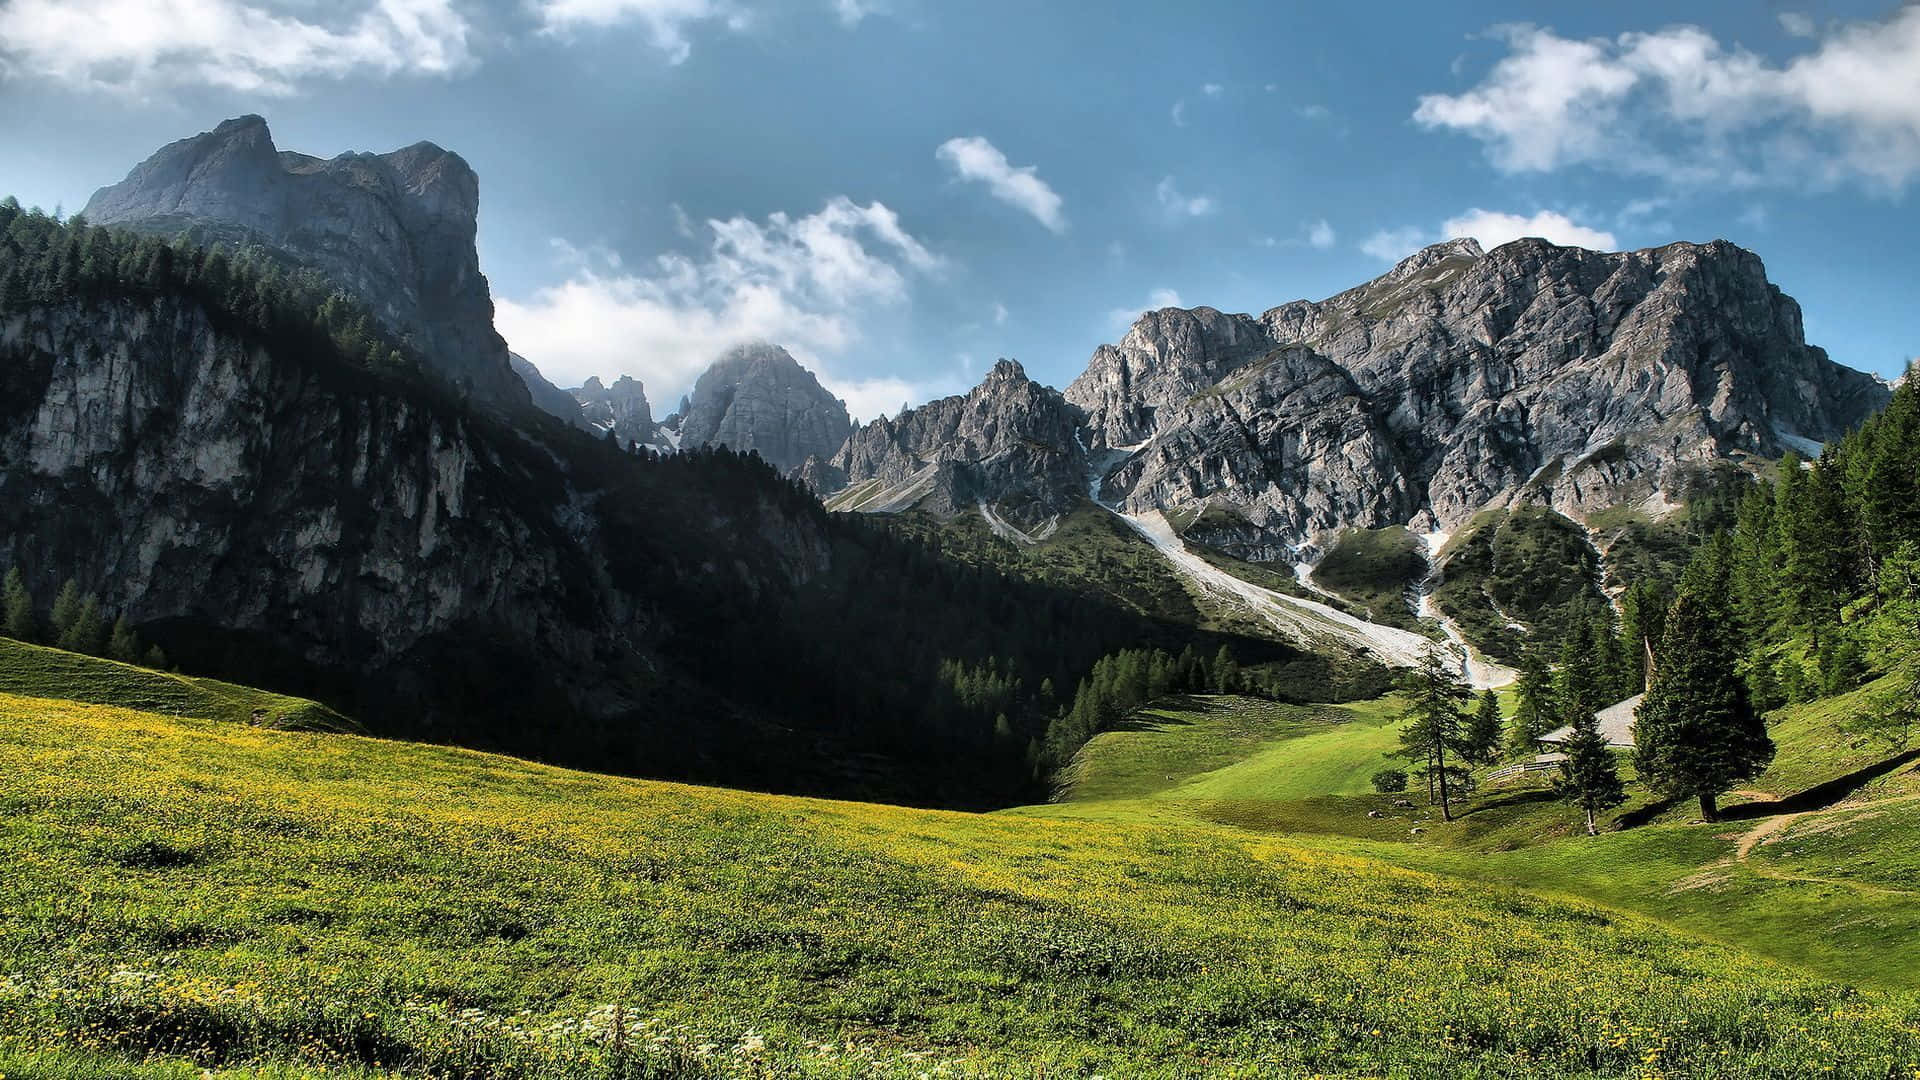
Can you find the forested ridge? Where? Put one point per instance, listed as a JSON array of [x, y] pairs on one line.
[[894, 671]]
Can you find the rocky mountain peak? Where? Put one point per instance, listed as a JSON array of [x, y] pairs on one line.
[[1462, 378], [756, 396], [1009, 442], [621, 409], [396, 230]]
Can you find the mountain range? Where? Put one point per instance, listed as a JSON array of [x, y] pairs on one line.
[[476, 550]]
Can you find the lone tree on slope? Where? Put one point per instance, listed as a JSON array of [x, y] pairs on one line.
[[1482, 742], [1697, 734], [1589, 777], [1433, 715]]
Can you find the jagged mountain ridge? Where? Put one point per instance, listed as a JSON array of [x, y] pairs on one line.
[[1010, 441], [397, 230], [1458, 380], [1461, 378]]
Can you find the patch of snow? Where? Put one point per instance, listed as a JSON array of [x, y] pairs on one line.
[[1800, 444], [1302, 620], [1480, 672], [1002, 528]]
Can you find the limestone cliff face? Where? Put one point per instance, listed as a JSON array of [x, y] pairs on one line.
[[1010, 441], [438, 569], [1460, 378], [547, 397], [758, 397], [396, 229]]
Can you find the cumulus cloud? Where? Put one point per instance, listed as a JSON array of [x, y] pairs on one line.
[[1213, 89], [1320, 234], [665, 22], [1179, 113], [973, 158], [1491, 228], [1173, 202], [140, 46], [852, 11], [1679, 104], [802, 282]]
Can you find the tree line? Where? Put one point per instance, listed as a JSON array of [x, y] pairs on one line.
[[76, 623]]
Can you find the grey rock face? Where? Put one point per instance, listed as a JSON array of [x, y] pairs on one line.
[[1459, 377], [621, 408], [1010, 441], [758, 397], [194, 480], [547, 397], [397, 230]]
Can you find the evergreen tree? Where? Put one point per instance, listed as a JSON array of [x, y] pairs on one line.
[[123, 644], [1577, 686], [1589, 777], [88, 631], [1226, 672], [154, 658], [1481, 745], [1697, 734], [1433, 724], [1891, 492], [18, 607], [66, 611], [1534, 710]]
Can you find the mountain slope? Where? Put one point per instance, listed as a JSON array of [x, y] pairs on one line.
[[333, 902], [1457, 379], [758, 397], [202, 456], [396, 230]]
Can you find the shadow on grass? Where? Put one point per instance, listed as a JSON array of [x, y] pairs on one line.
[[1144, 719], [1516, 798], [1823, 795]]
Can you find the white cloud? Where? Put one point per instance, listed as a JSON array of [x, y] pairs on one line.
[[1796, 24], [139, 46], [1213, 89], [1320, 234], [974, 158], [852, 11], [1677, 103], [1121, 318], [999, 314], [665, 21], [1392, 245], [1179, 113], [801, 282], [1491, 228], [1179, 205], [870, 399]]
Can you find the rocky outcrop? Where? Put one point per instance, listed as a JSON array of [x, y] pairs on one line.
[[758, 397], [1460, 379], [434, 570], [547, 397], [1010, 442], [621, 409], [397, 230]]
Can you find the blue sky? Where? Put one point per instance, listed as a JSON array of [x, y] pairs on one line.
[[904, 190]]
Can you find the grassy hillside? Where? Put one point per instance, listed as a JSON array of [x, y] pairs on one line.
[[1509, 574], [181, 892], [1810, 868], [1376, 569], [36, 671]]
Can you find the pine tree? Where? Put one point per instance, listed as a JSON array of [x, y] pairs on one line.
[[88, 631], [1533, 711], [1432, 728], [1481, 745], [154, 658], [1891, 492], [123, 644], [1226, 672], [18, 607], [1589, 777], [66, 611], [1577, 685], [1697, 734]]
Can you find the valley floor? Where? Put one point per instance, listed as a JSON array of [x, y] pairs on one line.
[[184, 894]]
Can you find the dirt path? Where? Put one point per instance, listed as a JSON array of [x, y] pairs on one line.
[[1774, 826]]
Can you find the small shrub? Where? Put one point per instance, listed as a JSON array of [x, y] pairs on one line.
[[1387, 781]]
